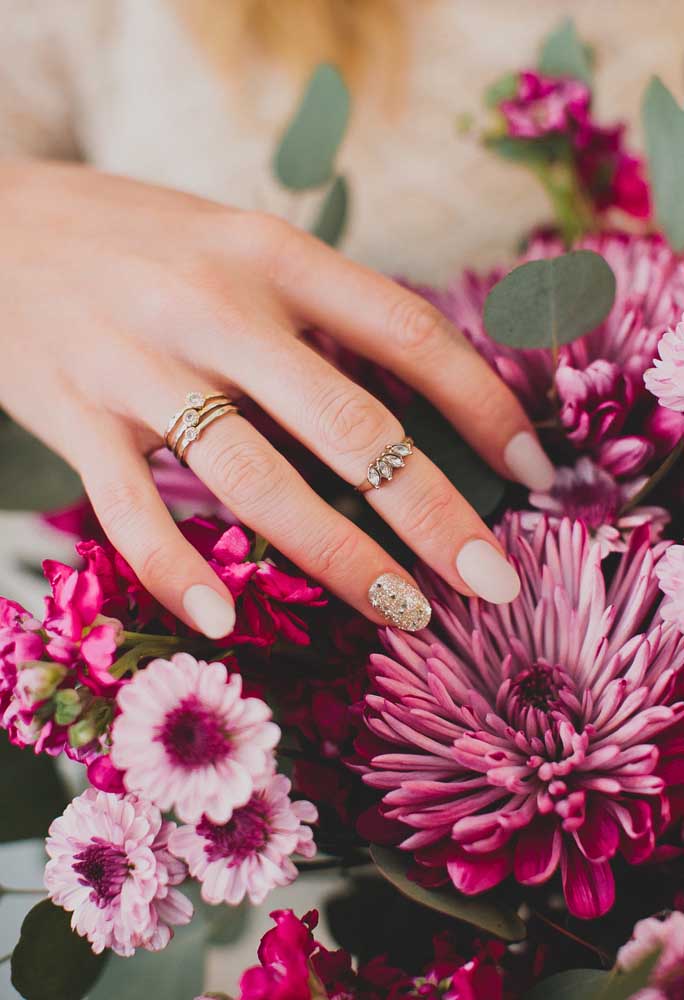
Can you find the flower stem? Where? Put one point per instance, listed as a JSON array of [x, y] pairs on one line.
[[603, 955], [5, 958], [7, 891], [653, 480]]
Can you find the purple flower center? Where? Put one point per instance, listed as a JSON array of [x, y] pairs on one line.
[[194, 736], [104, 868], [595, 505], [244, 834], [537, 688]]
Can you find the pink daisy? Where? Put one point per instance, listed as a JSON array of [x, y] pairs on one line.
[[250, 854], [670, 573], [666, 933], [187, 739], [588, 493], [111, 868], [528, 739], [666, 379]]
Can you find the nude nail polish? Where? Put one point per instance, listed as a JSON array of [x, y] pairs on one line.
[[528, 462], [400, 602], [212, 614], [487, 572]]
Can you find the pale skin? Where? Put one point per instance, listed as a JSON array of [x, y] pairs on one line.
[[118, 298]]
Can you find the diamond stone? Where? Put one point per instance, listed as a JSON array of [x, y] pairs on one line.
[[191, 434], [394, 460], [191, 418], [403, 449], [384, 468], [195, 399], [373, 477]]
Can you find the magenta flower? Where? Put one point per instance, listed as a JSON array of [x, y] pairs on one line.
[[545, 105], [111, 868], [666, 379], [670, 573], [612, 177], [597, 396], [528, 739], [588, 493], [20, 641], [667, 935], [250, 854], [187, 739], [284, 954]]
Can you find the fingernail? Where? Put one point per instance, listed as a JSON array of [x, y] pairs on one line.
[[486, 572], [212, 614], [528, 462], [400, 602]]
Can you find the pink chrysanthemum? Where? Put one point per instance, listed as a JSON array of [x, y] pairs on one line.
[[250, 854], [670, 573], [588, 493], [187, 739], [111, 868], [666, 379], [529, 738], [667, 935]]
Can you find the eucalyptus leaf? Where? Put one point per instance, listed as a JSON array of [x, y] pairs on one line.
[[32, 477], [564, 54], [540, 151], [332, 218], [575, 984], [479, 911], [663, 122], [546, 303], [31, 791], [433, 433], [624, 985], [52, 962], [306, 154]]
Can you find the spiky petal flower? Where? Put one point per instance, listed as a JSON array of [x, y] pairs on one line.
[[667, 935], [187, 739], [528, 737], [586, 492], [250, 854], [666, 379], [670, 573], [111, 868]]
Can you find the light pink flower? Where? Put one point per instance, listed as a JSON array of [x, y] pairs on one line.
[[111, 868], [588, 493], [250, 854], [187, 739], [666, 379], [670, 573], [667, 935], [529, 737]]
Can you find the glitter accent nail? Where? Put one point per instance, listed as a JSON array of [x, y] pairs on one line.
[[400, 602]]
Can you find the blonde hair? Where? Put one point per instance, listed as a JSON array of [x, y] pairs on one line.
[[356, 35]]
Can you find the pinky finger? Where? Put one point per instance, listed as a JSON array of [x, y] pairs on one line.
[[138, 524]]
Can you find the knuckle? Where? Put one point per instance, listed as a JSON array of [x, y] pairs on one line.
[[351, 421], [157, 563], [249, 473], [334, 554], [417, 326], [119, 506], [431, 510], [268, 238]]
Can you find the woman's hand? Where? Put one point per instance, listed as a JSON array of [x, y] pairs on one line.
[[118, 298]]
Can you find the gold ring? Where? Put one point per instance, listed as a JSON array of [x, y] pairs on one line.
[[186, 425], [384, 467]]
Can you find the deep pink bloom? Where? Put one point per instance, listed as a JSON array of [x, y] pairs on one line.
[[545, 106], [187, 739], [20, 641], [666, 934], [598, 391], [670, 573], [284, 954], [111, 868], [528, 739], [588, 493], [666, 379], [612, 177], [250, 854]]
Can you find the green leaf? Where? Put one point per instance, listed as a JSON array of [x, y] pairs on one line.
[[576, 984], [31, 476], [306, 154], [564, 54], [623, 985], [539, 152], [481, 911], [545, 303], [434, 435], [51, 962], [329, 225], [663, 122], [502, 89], [31, 792]]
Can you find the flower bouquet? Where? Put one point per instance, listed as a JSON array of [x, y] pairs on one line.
[[502, 791]]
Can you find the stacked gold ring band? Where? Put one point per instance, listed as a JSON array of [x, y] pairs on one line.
[[186, 425], [380, 471]]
